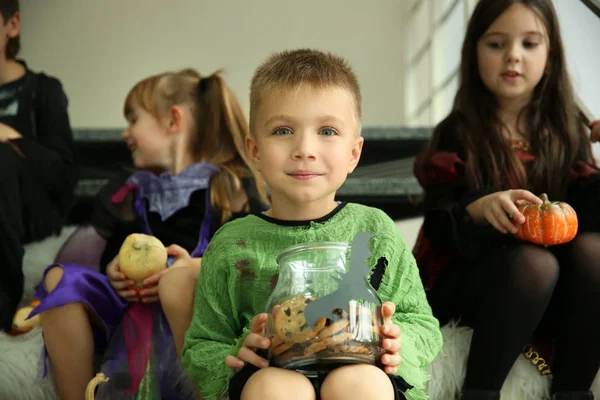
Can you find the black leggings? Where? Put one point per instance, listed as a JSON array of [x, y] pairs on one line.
[[511, 292]]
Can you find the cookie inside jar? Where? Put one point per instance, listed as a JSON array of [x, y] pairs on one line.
[[350, 335], [323, 311]]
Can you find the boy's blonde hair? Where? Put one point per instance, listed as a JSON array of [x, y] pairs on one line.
[[219, 124], [292, 68]]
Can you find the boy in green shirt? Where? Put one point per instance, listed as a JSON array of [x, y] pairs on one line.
[[305, 122]]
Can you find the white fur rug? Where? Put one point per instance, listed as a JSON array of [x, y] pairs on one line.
[[21, 354], [447, 371], [19, 368]]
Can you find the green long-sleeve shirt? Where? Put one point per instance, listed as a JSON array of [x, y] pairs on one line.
[[239, 271]]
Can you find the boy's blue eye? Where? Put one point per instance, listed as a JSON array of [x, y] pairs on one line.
[[282, 131], [328, 132]]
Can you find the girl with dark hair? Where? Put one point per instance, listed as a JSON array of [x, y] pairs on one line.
[[514, 130]]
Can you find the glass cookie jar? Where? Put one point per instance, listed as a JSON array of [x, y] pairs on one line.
[[323, 312]]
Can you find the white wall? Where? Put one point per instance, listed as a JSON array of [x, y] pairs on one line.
[[99, 49], [580, 29], [434, 31]]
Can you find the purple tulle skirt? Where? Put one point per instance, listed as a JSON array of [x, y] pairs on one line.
[[134, 340], [84, 285]]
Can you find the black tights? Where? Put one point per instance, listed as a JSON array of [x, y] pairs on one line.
[[578, 347], [510, 293]]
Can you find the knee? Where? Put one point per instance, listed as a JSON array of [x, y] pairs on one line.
[[535, 267], [52, 278], [176, 287], [271, 383], [357, 382], [585, 253]]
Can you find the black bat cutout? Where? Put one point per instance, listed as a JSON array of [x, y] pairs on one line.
[[353, 285]]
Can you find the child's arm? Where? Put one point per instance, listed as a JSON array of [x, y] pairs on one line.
[[401, 285], [215, 331], [500, 210]]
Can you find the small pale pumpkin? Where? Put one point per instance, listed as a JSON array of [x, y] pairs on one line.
[[20, 322], [141, 256], [549, 223]]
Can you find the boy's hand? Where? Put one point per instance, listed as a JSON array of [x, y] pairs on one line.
[[595, 127], [255, 340], [119, 281], [391, 340]]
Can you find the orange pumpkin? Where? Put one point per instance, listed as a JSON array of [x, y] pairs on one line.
[[548, 223]]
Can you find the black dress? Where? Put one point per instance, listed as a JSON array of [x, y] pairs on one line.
[[457, 258]]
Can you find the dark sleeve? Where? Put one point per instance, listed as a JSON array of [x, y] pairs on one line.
[[106, 216], [52, 155], [109, 221], [584, 196], [447, 223]]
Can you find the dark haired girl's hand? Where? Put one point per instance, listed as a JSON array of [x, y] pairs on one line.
[[500, 210], [595, 127]]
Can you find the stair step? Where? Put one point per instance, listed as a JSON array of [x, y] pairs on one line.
[[369, 133], [384, 177], [393, 178]]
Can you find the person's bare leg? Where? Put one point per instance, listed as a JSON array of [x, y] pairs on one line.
[[364, 382], [70, 343], [176, 290], [278, 384]]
